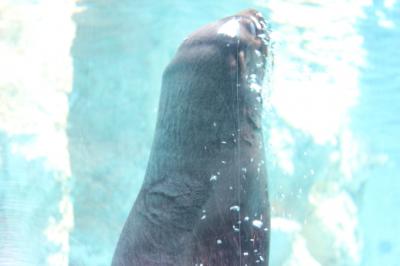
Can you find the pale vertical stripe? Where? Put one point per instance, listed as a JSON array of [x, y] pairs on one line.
[[318, 53], [36, 78]]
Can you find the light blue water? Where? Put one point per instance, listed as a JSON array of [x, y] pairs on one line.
[[331, 122], [377, 123]]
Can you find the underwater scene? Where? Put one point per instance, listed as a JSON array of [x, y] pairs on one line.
[[80, 88]]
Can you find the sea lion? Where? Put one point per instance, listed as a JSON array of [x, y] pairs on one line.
[[204, 197]]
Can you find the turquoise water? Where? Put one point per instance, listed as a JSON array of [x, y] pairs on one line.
[[78, 103]]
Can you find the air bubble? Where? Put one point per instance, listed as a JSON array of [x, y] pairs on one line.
[[234, 208], [262, 35], [255, 87], [257, 223]]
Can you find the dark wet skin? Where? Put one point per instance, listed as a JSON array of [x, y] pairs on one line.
[[204, 197]]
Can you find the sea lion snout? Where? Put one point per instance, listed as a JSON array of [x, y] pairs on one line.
[[248, 27], [253, 21]]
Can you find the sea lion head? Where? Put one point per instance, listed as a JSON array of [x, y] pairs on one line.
[[221, 66], [238, 43]]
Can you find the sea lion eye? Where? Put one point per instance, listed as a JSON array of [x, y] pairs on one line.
[[252, 28]]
